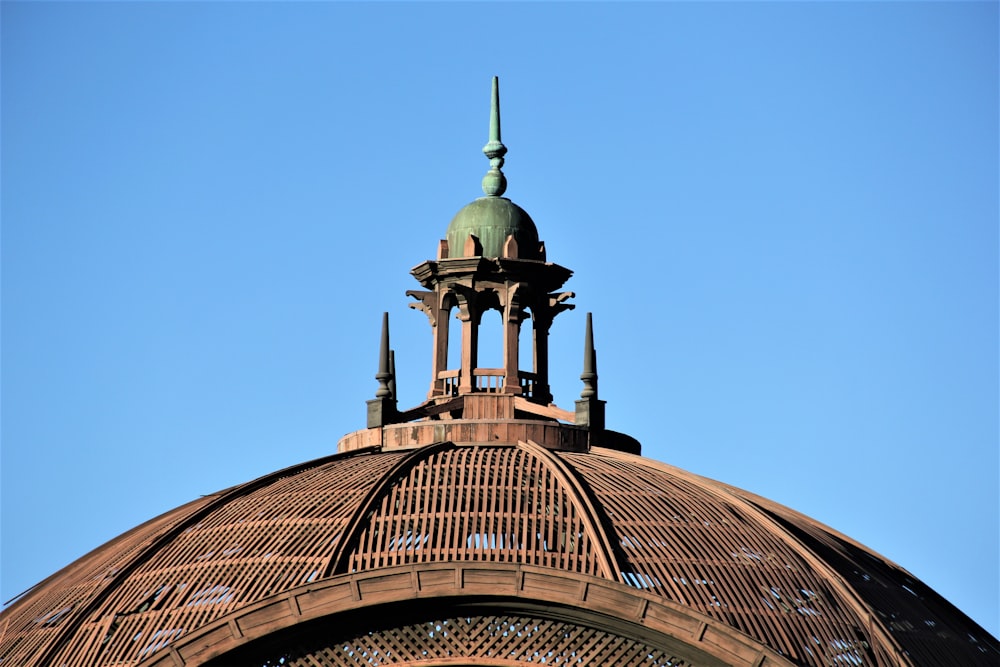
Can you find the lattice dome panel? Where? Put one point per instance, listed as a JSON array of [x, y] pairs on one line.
[[921, 621], [45, 616], [698, 548], [770, 572], [500, 504], [236, 547], [495, 639]]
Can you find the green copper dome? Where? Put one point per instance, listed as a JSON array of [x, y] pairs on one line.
[[492, 220]]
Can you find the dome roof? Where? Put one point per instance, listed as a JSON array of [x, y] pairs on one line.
[[491, 220], [505, 524]]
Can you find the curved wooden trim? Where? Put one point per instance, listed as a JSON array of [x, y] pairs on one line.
[[357, 522], [588, 513], [220, 499], [591, 601], [728, 494]]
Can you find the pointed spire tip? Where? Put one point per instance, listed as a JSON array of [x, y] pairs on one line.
[[495, 183]]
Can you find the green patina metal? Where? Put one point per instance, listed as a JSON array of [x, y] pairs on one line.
[[491, 219], [494, 182]]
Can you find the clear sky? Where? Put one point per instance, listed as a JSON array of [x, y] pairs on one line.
[[784, 217]]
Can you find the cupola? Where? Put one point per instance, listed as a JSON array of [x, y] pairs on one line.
[[490, 260]]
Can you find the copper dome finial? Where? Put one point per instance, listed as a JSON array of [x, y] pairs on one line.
[[494, 182]]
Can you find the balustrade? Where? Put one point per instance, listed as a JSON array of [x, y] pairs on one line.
[[486, 380]]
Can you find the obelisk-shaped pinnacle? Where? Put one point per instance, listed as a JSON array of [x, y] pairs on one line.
[[384, 375], [589, 375]]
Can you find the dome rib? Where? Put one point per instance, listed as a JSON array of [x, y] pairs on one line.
[[35, 620], [877, 630], [478, 502], [693, 542], [588, 509], [78, 616], [339, 561], [887, 591], [786, 530]]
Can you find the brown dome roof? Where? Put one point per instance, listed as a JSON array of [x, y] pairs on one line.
[[650, 532]]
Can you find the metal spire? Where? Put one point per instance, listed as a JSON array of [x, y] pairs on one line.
[[589, 375], [384, 375], [494, 182]]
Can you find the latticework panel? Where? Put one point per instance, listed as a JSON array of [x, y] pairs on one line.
[[498, 504], [42, 615], [267, 541], [269, 538], [783, 580], [714, 553], [501, 639], [925, 625]]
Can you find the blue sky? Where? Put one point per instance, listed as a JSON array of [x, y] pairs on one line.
[[784, 217]]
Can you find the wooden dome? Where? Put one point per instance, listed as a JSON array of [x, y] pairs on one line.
[[517, 552]]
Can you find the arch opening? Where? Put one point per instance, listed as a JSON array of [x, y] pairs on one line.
[[490, 362], [526, 361]]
